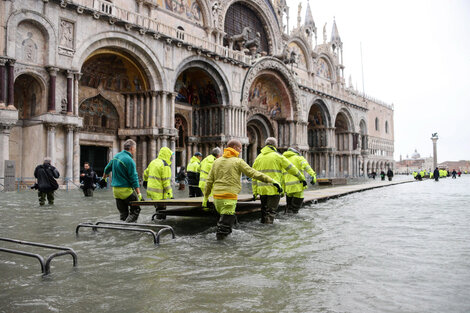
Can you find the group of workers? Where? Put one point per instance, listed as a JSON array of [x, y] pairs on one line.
[[436, 174], [217, 176]]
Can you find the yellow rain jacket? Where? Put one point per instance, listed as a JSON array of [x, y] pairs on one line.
[[273, 164], [206, 166], [224, 178], [292, 184], [158, 176], [193, 171]]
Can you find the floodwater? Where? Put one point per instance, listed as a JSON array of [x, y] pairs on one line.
[[404, 248]]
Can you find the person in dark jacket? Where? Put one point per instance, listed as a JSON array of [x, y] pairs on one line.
[[382, 175], [46, 176], [436, 174], [194, 171], [389, 174], [454, 173], [88, 179]]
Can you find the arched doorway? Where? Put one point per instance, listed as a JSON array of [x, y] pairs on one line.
[[200, 96], [258, 130], [343, 144], [114, 94], [29, 97], [317, 137]]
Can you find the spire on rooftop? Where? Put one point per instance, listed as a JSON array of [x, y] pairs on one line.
[[308, 16], [334, 33]]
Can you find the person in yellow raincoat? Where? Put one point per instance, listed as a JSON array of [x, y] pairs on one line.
[[206, 166], [224, 182], [292, 186]]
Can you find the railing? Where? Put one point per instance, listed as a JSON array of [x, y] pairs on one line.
[[125, 227], [149, 24], [45, 265]]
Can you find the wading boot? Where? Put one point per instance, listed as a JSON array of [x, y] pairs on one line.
[[133, 215], [224, 226], [288, 205], [296, 204]]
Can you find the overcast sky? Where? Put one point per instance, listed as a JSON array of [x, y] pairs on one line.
[[416, 55]]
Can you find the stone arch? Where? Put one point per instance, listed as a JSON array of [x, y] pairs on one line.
[[318, 123], [212, 69], [363, 134], [142, 54], [323, 105], [349, 118], [29, 95], [258, 129], [266, 15], [38, 20], [267, 64], [305, 50]]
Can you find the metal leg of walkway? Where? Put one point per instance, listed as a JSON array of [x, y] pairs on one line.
[[45, 264], [156, 236]]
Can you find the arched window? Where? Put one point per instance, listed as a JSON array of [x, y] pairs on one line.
[[180, 33], [239, 17], [386, 127], [377, 124]]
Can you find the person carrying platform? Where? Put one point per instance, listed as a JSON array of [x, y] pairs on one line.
[[88, 179], [157, 176], [193, 171], [206, 166], [46, 176], [293, 187], [224, 182], [272, 163], [125, 182]]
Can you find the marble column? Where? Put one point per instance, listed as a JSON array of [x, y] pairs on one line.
[[127, 99], [3, 85], [135, 109], [11, 85], [51, 107], [142, 110], [144, 153], [173, 161], [164, 110], [69, 93], [152, 149], [4, 148], [153, 109], [75, 93], [172, 111], [69, 151], [164, 141], [230, 122], [51, 129], [76, 156]]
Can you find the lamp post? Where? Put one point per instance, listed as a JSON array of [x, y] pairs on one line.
[[434, 139]]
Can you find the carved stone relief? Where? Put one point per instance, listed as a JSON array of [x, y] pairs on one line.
[[30, 44]]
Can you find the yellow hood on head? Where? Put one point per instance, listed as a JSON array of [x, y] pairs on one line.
[[165, 154]]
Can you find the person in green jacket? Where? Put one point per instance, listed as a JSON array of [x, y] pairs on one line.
[[292, 185], [273, 164], [157, 176], [194, 171], [224, 182], [125, 182], [206, 166]]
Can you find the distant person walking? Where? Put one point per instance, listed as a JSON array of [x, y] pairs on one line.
[[390, 174], [194, 171], [436, 174], [382, 175], [88, 179], [454, 174], [46, 176]]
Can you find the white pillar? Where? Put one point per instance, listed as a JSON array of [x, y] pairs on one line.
[[69, 152], [144, 153], [76, 156], [153, 110], [164, 110], [152, 154], [51, 142], [172, 111], [173, 163], [4, 148]]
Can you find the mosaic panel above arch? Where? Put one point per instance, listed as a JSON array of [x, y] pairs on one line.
[[301, 60], [269, 95], [323, 69], [99, 115], [113, 71], [188, 9], [195, 86]]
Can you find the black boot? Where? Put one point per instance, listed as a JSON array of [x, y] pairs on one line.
[[296, 204], [288, 204], [123, 209], [224, 226], [133, 215]]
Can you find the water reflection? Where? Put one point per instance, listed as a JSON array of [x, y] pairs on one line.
[[398, 249]]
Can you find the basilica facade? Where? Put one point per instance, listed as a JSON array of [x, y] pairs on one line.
[[79, 77]]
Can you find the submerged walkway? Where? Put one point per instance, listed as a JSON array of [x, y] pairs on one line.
[[193, 206]]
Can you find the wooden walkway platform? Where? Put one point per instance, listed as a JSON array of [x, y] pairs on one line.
[[193, 206]]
